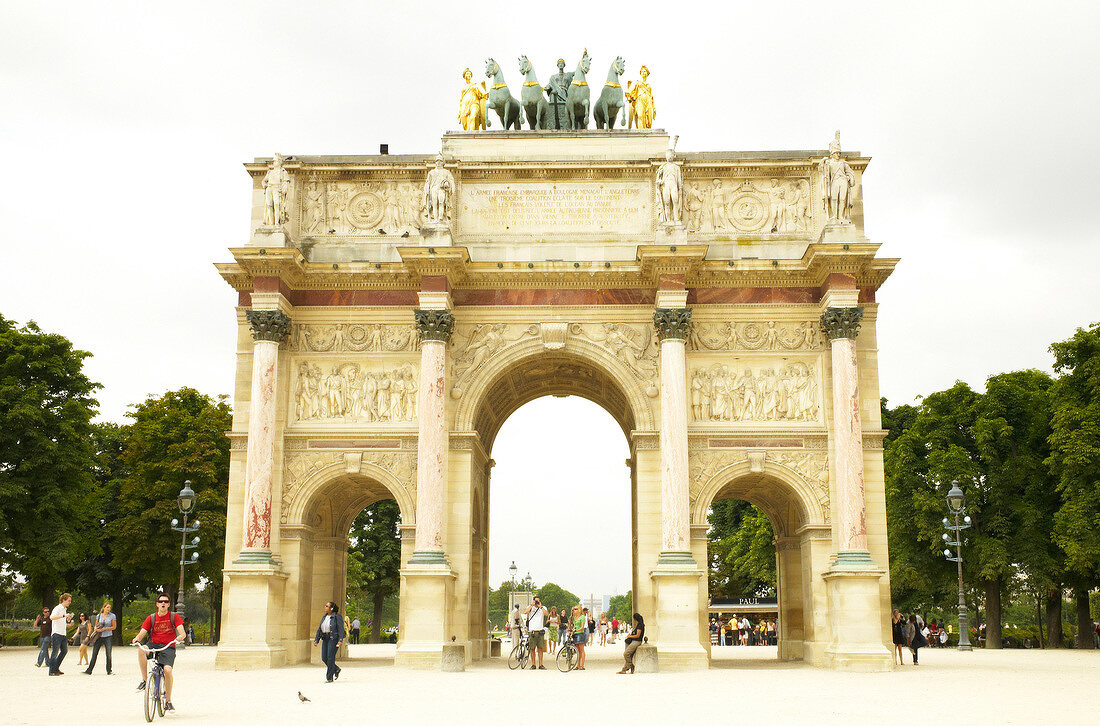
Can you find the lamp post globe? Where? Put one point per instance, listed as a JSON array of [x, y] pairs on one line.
[[186, 498], [955, 498]]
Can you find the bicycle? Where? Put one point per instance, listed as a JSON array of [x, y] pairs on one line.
[[155, 695], [567, 654], [519, 655]]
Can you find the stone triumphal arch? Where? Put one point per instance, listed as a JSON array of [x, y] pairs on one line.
[[395, 310]]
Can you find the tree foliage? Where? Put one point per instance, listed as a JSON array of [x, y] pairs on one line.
[[374, 557], [553, 595], [622, 606], [47, 495], [742, 550]]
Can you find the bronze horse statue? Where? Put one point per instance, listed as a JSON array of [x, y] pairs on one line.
[[611, 99], [534, 98], [501, 99], [578, 99]]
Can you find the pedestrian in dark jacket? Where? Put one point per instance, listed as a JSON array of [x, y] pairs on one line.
[[330, 634]]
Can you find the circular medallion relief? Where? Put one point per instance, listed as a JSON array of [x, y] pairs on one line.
[[365, 210], [748, 212]]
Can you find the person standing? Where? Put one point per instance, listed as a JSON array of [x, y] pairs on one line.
[[536, 632], [633, 640], [555, 627], [45, 630], [591, 626], [514, 625], [330, 634], [60, 619], [80, 638], [105, 624], [355, 630], [614, 629], [602, 626], [914, 637], [580, 634]]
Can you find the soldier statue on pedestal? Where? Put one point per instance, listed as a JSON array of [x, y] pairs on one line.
[[556, 91]]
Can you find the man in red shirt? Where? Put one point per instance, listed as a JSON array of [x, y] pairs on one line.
[[165, 627]]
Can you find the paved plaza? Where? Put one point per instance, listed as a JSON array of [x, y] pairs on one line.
[[746, 686]]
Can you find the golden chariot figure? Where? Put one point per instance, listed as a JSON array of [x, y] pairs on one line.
[[471, 104], [642, 108]]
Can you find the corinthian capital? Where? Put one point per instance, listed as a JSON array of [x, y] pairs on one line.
[[434, 324], [841, 322], [672, 322], [270, 325]]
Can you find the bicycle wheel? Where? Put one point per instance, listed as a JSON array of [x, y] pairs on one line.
[[150, 707], [162, 696], [566, 657], [517, 657]]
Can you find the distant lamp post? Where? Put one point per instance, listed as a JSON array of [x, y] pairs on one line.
[[956, 503], [186, 502], [512, 571]]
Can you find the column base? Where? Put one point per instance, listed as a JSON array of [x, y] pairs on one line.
[[855, 615], [428, 557], [251, 558], [676, 616], [428, 593], [675, 557], [253, 602]]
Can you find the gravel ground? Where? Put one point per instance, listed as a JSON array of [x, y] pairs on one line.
[[745, 685]]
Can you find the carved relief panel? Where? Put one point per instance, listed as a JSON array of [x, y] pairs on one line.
[[385, 207], [353, 337], [334, 391], [805, 335], [757, 389], [762, 206]]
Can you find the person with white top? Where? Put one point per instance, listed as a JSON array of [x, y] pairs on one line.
[[60, 635], [330, 634], [355, 630], [536, 631]]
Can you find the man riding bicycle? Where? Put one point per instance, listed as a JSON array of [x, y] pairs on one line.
[[163, 627]]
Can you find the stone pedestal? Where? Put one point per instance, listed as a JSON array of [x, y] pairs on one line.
[[855, 619], [839, 232], [436, 234], [271, 235], [254, 594], [428, 590], [645, 659], [675, 233], [676, 595], [454, 658]]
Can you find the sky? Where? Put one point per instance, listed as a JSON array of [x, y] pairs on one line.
[[124, 127]]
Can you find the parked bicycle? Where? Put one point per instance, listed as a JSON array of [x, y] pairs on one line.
[[567, 654], [155, 694], [519, 655]]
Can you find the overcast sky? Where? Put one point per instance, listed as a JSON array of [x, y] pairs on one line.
[[124, 127]]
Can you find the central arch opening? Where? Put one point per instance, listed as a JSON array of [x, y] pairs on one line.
[[562, 502]]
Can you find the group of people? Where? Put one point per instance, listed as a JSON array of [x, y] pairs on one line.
[[165, 629], [549, 629], [741, 631], [913, 633]]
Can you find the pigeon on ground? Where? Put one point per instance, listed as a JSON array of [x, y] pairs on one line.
[[302, 698]]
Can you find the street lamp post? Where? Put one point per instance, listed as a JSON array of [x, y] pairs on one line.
[[956, 502], [512, 571], [186, 502]]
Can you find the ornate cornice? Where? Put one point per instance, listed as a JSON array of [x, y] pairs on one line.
[[841, 322], [434, 324], [271, 325], [672, 322]]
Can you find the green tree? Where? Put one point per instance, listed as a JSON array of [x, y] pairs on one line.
[[376, 546], [622, 606], [553, 595], [47, 502], [176, 437], [742, 550], [1075, 461]]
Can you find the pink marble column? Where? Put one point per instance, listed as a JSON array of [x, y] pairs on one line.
[[841, 325], [435, 328], [269, 328], [672, 328]]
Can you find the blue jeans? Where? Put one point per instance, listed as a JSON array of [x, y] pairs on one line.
[[60, 650], [104, 641], [328, 656], [44, 649]]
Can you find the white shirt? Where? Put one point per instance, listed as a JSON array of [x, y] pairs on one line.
[[537, 621], [60, 624], [326, 624], [355, 624]]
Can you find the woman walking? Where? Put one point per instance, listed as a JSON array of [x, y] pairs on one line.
[[580, 634], [555, 624], [632, 642], [80, 638], [897, 625], [603, 628], [105, 624], [914, 637], [330, 634]]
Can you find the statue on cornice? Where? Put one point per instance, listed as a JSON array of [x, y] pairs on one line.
[[438, 188], [557, 90], [471, 104], [670, 189], [837, 182], [642, 108], [276, 186]]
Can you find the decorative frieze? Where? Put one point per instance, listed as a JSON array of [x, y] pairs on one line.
[[760, 206], [271, 325], [354, 337], [349, 393], [434, 324], [373, 208], [777, 391], [768, 335], [841, 322]]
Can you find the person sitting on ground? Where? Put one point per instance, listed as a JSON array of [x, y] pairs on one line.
[[163, 628]]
